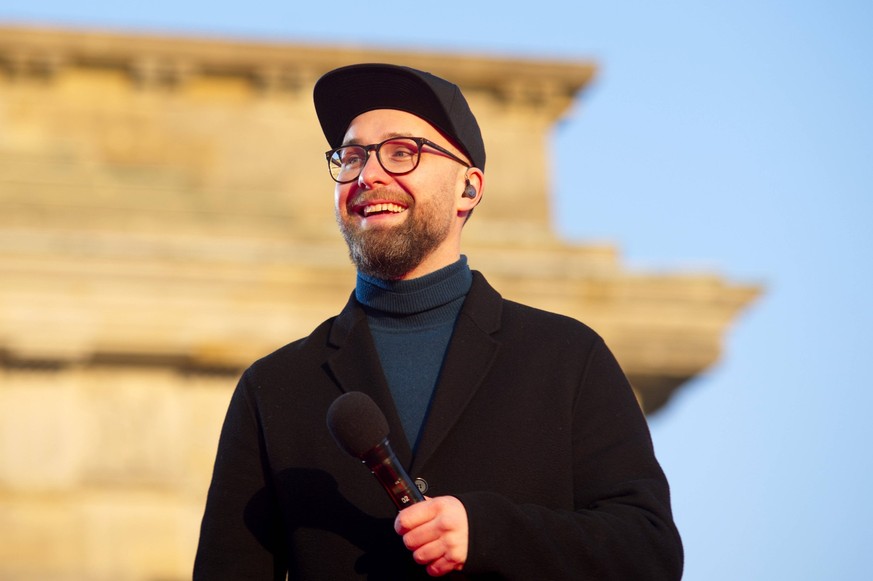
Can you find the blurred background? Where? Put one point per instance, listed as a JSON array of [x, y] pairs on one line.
[[728, 140]]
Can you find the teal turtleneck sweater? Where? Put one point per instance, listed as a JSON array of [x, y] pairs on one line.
[[412, 322]]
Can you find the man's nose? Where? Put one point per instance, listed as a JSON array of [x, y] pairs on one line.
[[372, 172]]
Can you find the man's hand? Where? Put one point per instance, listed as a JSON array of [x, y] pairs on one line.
[[436, 532]]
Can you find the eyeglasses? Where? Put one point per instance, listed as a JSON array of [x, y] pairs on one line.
[[397, 156]]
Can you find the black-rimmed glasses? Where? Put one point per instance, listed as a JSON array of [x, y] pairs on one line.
[[397, 156]]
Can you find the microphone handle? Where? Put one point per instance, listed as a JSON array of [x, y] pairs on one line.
[[390, 473]]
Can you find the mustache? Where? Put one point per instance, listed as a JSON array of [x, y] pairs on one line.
[[380, 195]]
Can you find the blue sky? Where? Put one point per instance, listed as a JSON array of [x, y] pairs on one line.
[[730, 137]]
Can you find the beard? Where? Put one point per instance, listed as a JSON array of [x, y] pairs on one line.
[[389, 253]]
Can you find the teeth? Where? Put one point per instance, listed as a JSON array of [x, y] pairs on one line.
[[376, 208]]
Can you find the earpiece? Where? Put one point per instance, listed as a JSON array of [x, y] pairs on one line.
[[469, 191]]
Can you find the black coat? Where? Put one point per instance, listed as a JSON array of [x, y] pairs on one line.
[[533, 426]]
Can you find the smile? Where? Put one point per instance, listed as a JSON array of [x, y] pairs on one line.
[[385, 208]]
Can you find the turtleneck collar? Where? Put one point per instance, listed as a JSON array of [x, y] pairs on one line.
[[400, 298]]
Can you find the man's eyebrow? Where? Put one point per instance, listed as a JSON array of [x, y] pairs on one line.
[[386, 136]]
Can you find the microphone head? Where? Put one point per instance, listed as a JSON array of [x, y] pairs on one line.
[[356, 423]]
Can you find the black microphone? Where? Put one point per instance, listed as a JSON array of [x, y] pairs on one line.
[[360, 428]]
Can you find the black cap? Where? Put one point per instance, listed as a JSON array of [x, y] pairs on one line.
[[344, 93]]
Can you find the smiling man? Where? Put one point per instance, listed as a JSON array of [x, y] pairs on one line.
[[518, 424], [400, 217]]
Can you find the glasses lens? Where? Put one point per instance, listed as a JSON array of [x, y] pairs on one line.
[[399, 156], [346, 162]]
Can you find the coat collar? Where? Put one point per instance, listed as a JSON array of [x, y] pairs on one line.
[[470, 355], [471, 352], [355, 367]]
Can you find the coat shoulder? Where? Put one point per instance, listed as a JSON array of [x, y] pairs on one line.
[[494, 313], [303, 351], [533, 321]]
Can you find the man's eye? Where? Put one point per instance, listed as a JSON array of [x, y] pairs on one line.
[[349, 158], [401, 153]]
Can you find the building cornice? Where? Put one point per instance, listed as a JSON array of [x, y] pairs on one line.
[[548, 85]]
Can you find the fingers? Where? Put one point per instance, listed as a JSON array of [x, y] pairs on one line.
[[415, 515], [436, 531], [442, 567]]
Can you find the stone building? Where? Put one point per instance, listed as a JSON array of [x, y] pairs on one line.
[[167, 218]]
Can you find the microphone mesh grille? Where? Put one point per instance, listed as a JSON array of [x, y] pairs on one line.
[[356, 423]]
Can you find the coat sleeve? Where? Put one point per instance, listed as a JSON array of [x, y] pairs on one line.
[[240, 535], [621, 526]]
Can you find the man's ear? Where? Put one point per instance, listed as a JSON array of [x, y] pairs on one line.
[[474, 186]]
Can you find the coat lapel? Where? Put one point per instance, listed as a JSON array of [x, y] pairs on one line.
[[471, 353], [355, 367]]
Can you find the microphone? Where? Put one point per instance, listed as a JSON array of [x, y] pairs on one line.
[[360, 428]]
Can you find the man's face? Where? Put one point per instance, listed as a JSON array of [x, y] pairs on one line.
[[400, 226]]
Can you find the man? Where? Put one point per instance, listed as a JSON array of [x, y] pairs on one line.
[[536, 459]]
